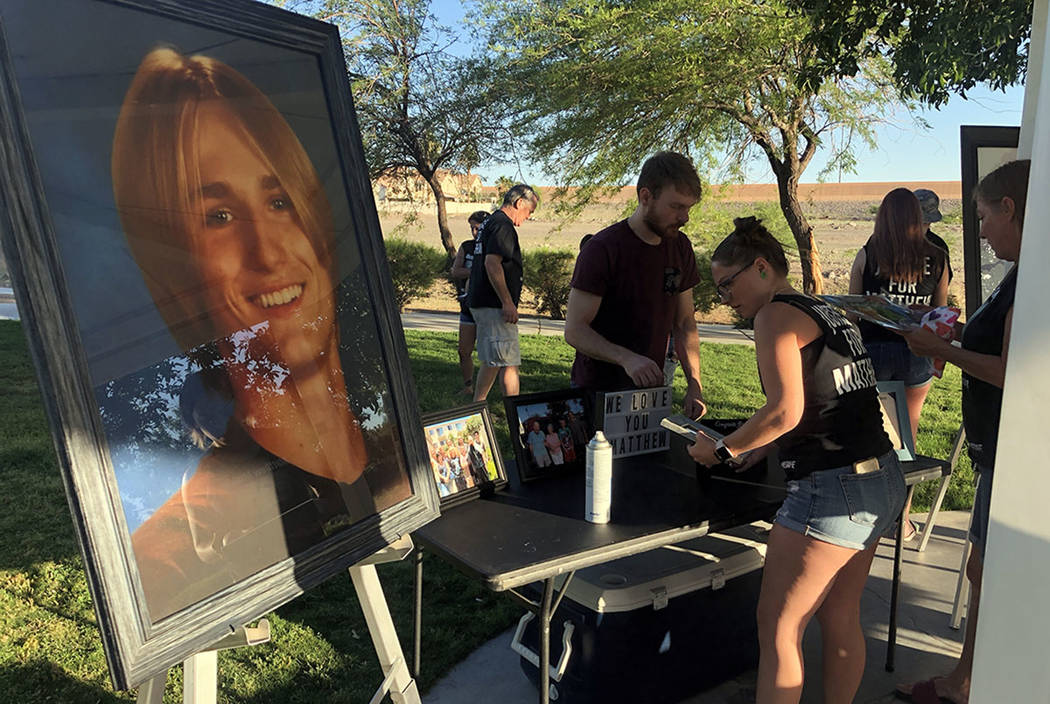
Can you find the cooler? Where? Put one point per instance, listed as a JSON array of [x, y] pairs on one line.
[[654, 627]]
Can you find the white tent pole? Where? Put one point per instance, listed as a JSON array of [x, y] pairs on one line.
[[1034, 79], [1013, 629]]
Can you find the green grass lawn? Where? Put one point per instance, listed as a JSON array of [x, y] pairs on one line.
[[49, 645]]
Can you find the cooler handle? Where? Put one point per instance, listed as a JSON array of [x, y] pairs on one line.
[[524, 651]]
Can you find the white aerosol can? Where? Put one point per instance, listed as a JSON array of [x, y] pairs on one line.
[[599, 479]]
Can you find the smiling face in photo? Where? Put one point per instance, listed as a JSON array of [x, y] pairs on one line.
[[256, 262]]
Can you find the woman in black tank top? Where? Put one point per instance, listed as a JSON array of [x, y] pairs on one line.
[[1000, 198], [845, 486], [901, 263]]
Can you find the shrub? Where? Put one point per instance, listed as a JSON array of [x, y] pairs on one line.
[[413, 268], [547, 276]]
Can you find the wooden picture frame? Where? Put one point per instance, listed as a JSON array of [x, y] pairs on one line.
[[202, 282], [568, 409], [895, 419], [464, 455]]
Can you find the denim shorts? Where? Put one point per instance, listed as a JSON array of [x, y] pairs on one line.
[[465, 317], [982, 505], [497, 339], [841, 507], [894, 362]]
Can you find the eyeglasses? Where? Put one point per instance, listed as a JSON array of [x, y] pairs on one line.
[[726, 286]]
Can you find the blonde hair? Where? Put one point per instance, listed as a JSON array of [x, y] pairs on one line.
[[156, 178]]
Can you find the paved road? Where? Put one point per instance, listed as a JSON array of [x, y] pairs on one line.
[[434, 320], [8, 310]]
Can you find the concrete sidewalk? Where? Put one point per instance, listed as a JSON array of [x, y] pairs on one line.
[[528, 325], [449, 322], [926, 645]]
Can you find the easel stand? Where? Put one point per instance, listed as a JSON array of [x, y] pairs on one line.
[[201, 670]]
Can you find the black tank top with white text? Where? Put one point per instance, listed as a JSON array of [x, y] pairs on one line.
[[842, 421], [901, 292]]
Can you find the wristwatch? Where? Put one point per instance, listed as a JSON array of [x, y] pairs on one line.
[[722, 452]]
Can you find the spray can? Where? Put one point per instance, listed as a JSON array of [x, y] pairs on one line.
[[599, 479]]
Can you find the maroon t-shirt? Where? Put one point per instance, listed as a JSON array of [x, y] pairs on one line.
[[639, 285]]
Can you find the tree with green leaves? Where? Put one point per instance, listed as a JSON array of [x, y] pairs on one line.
[[602, 84], [937, 47], [420, 107]]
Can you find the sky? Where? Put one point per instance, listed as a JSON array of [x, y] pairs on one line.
[[905, 152]]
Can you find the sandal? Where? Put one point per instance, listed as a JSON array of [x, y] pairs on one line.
[[922, 693]]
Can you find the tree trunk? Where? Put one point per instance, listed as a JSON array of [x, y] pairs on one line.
[[812, 281], [439, 198]]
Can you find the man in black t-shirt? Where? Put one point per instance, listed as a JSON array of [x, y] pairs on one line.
[[931, 213], [494, 290], [633, 286]]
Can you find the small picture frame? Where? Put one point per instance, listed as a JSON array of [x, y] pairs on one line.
[[895, 419], [550, 431], [464, 456]]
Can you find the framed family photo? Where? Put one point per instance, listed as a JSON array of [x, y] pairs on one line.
[[550, 431], [198, 263], [464, 458]]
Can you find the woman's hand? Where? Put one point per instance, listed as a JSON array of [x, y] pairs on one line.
[[925, 343], [703, 450], [747, 460]]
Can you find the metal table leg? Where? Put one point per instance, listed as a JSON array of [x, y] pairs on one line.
[[417, 614], [545, 613], [898, 551]]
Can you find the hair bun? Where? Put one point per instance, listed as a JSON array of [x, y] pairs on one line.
[[748, 227]]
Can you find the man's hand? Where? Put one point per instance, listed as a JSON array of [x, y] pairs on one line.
[[510, 313], [643, 371], [693, 404]]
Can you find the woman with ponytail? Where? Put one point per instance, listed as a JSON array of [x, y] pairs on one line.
[[845, 486]]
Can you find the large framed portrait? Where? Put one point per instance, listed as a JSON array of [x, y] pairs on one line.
[[983, 149], [464, 457], [199, 266], [549, 431]]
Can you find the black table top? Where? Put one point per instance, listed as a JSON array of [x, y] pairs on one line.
[[537, 530]]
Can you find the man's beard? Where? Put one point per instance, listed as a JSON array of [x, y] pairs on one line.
[[664, 232]]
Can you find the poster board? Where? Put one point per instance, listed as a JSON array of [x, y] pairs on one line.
[[198, 263]]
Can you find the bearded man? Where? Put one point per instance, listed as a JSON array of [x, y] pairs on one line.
[[632, 288]]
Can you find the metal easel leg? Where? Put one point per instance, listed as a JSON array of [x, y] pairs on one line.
[[201, 678], [152, 691], [377, 615], [201, 670]]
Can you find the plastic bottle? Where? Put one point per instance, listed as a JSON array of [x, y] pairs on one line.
[[599, 479]]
